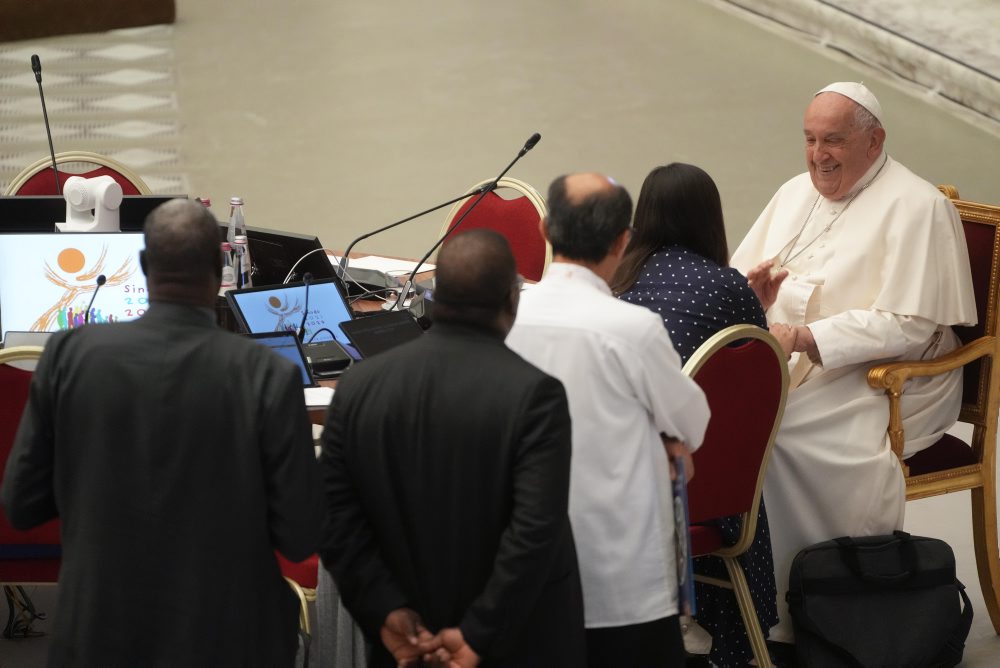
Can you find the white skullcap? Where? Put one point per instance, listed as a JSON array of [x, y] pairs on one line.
[[857, 92]]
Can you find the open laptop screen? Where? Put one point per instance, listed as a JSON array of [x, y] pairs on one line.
[[47, 280], [275, 308], [287, 345]]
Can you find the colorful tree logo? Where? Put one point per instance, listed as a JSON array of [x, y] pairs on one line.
[[78, 284]]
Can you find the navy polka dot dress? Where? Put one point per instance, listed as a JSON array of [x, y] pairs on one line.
[[697, 298]]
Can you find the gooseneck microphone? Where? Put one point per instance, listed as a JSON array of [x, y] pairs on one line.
[[306, 280], [36, 67], [350, 246], [101, 280], [405, 290], [528, 145]]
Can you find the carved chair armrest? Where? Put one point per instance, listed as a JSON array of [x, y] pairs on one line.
[[892, 377]]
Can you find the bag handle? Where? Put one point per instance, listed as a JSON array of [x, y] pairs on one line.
[[907, 555], [951, 654]]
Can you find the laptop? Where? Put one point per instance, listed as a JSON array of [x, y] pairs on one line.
[[287, 345], [277, 308], [13, 339], [275, 252], [381, 332]]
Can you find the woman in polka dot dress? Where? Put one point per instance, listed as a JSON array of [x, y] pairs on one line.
[[677, 265]]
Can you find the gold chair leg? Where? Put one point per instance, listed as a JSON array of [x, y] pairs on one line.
[[984, 538], [303, 605], [748, 612]]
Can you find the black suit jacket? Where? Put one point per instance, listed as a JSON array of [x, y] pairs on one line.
[[178, 457], [446, 471]]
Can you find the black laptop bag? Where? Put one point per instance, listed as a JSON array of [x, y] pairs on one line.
[[878, 601]]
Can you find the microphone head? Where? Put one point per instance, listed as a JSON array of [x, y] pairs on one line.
[[532, 140], [36, 67], [307, 277], [101, 280]]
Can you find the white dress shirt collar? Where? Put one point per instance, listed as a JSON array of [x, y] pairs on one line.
[[571, 271]]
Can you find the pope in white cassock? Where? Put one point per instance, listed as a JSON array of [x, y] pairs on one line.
[[857, 261]]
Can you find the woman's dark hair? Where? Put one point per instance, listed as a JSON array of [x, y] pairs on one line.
[[679, 204]]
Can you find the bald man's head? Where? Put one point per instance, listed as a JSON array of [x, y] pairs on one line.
[[587, 214], [474, 279], [182, 249]]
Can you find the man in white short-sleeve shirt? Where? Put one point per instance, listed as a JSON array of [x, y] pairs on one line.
[[632, 408]]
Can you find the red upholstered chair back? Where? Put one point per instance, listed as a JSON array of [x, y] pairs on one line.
[[37, 178], [516, 218], [14, 383], [745, 378], [984, 251], [43, 183]]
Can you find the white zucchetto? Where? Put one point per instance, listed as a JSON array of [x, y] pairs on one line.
[[857, 92]]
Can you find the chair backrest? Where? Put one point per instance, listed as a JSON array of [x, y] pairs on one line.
[[516, 218], [744, 375], [37, 178], [979, 222], [14, 384]]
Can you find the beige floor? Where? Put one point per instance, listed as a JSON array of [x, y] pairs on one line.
[[337, 117]]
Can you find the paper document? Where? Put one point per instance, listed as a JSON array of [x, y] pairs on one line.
[[383, 264], [682, 542], [318, 397]]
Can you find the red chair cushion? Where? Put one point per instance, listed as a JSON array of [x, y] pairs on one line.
[[305, 572], [705, 539], [948, 453]]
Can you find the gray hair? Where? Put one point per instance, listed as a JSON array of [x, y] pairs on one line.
[[864, 119]]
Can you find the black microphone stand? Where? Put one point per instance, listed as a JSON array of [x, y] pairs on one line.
[[36, 67], [306, 280], [405, 289], [101, 280]]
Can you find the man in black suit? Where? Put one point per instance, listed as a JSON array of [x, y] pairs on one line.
[[178, 457], [446, 470]]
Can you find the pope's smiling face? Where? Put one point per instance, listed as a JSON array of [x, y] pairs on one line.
[[838, 150]]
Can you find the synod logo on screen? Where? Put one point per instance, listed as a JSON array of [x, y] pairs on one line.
[[282, 310], [76, 276], [48, 279]]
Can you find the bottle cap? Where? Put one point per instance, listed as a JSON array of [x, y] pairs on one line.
[[240, 239], [226, 246], [205, 201], [236, 200]]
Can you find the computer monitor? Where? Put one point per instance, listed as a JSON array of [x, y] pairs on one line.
[[47, 280], [40, 213], [275, 252]]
